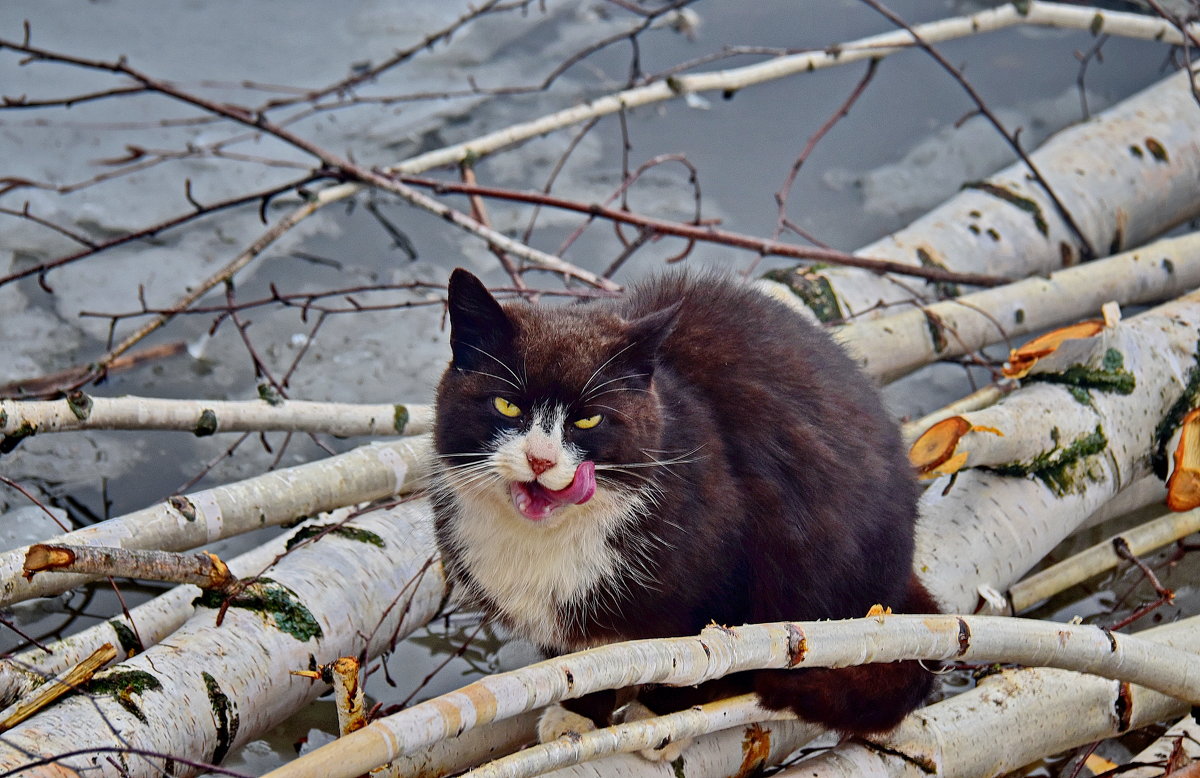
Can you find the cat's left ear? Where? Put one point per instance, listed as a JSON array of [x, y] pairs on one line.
[[647, 334], [480, 330]]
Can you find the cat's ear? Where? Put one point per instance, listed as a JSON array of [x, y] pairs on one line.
[[479, 327], [646, 335]]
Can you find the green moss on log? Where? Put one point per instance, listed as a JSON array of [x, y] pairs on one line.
[[1186, 401], [1060, 468], [814, 290], [128, 639], [1110, 376], [10, 440], [278, 605], [80, 405], [207, 423], [124, 686]]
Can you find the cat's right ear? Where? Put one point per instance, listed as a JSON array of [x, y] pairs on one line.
[[479, 327]]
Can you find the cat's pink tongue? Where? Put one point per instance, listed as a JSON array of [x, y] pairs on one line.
[[535, 502]]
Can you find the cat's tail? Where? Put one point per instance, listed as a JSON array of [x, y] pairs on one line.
[[855, 700]]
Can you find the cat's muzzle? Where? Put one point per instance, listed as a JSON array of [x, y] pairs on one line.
[[535, 502]]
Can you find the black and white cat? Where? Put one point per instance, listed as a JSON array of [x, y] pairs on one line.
[[693, 452]]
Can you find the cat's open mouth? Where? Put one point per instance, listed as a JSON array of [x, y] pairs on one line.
[[535, 502]]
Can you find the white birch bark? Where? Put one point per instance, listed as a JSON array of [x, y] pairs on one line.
[[736, 751], [718, 651], [1013, 229], [209, 689], [21, 418], [1100, 558], [182, 523], [1185, 731], [473, 747], [634, 736], [893, 346], [1007, 722]]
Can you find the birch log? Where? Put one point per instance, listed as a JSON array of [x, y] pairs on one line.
[[737, 751], [1143, 153], [1122, 375], [1007, 722], [210, 689], [186, 522], [20, 419], [633, 736], [1067, 450], [893, 346], [718, 651], [144, 626], [1100, 558]]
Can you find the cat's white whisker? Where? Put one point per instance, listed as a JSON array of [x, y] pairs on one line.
[[596, 372], [588, 395], [500, 362], [498, 378]]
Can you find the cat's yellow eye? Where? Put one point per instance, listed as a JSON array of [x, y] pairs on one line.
[[505, 407], [589, 422]]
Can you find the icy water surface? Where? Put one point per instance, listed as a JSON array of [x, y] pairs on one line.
[[909, 142]]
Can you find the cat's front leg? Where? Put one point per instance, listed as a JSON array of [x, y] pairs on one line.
[[583, 714], [663, 752], [557, 722]]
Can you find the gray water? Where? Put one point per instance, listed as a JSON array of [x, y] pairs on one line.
[[902, 149]]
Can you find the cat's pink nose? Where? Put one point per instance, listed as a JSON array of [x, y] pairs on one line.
[[538, 465]]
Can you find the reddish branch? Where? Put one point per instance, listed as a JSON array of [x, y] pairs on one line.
[[712, 234]]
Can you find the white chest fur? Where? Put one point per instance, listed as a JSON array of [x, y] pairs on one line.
[[540, 577]]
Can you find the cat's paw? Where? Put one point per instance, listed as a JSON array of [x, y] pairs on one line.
[[667, 752], [556, 721]]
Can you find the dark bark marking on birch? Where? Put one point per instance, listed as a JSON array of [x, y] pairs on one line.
[[1123, 706], [964, 636], [207, 424], [924, 765], [183, 505], [225, 717], [400, 419], [80, 405], [1112, 639], [797, 645]]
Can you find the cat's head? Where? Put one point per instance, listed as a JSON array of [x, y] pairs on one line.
[[547, 412]]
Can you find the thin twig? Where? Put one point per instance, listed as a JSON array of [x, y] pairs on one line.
[[1011, 138]]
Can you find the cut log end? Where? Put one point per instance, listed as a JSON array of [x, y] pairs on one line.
[[936, 447], [1183, 487], [41, 557], [1021, 360]]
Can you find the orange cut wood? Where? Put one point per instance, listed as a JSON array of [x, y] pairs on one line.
[[936, 444], [1183, 487], [1021, 360]]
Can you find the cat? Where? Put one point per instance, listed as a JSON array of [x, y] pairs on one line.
[[691, 453]]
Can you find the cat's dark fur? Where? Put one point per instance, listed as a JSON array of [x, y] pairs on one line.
[[745, 471]]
